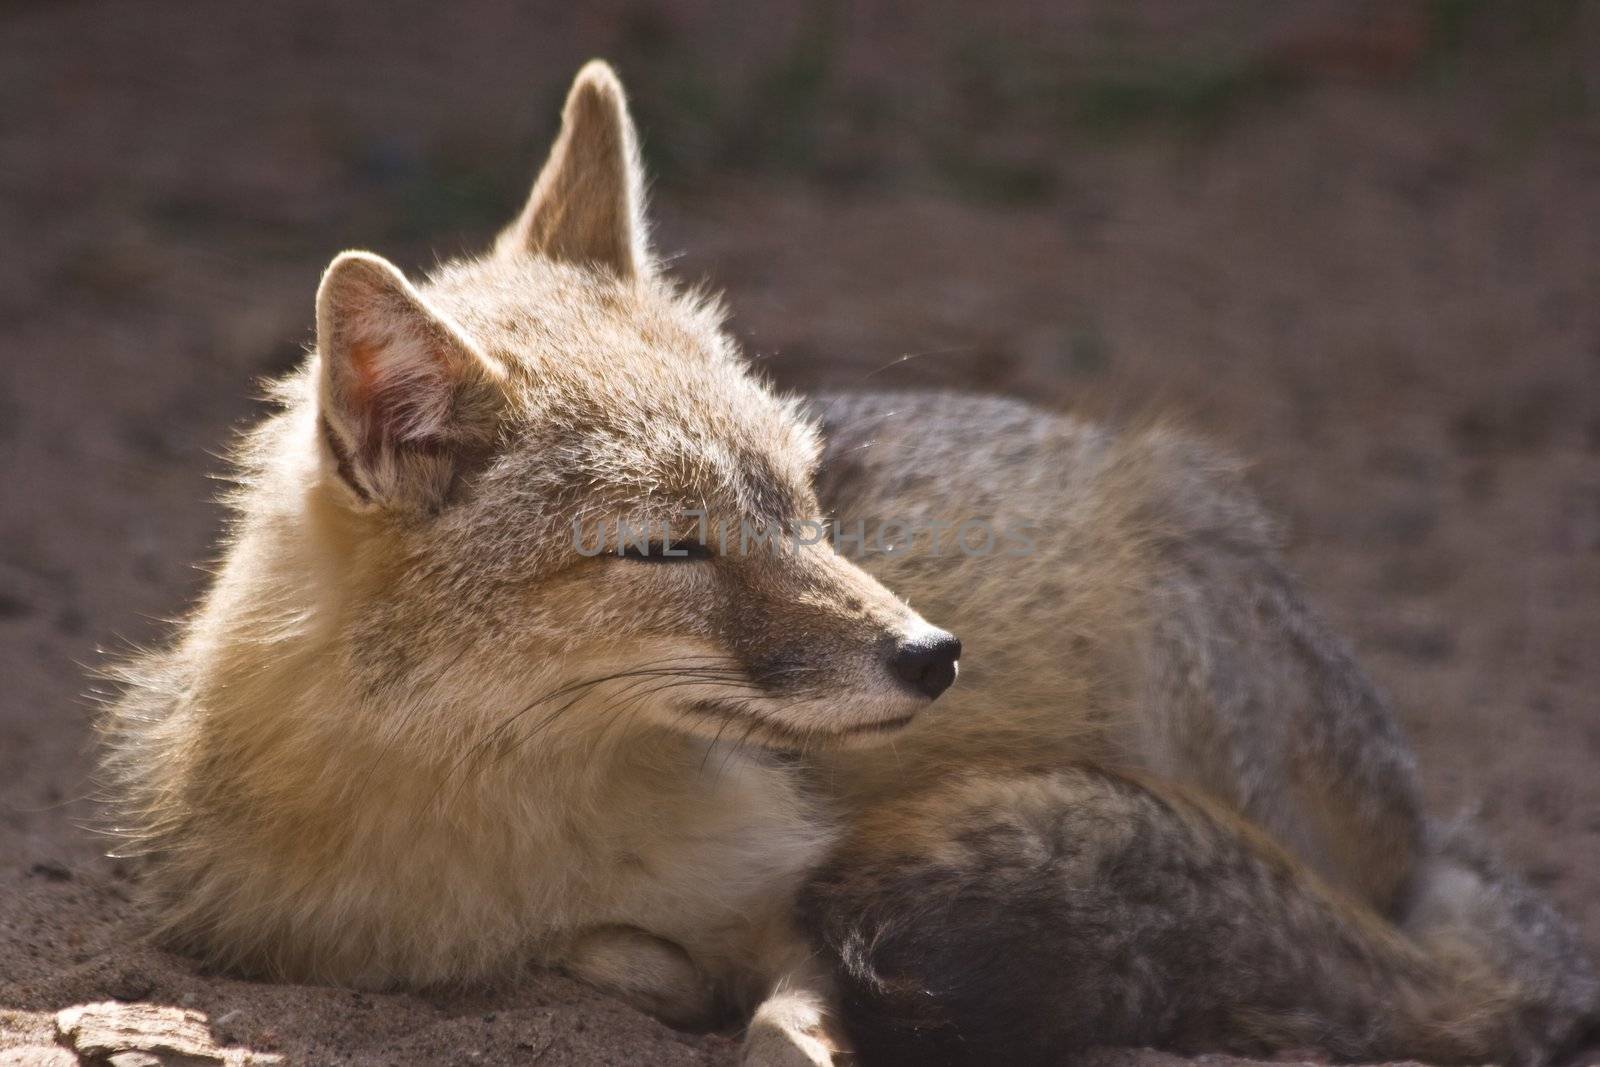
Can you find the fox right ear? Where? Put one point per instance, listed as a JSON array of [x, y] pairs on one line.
[[587, 206], [407, 403]]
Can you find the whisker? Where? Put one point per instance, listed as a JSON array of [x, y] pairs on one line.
[[579, 688], [901, 360], [629, 699]]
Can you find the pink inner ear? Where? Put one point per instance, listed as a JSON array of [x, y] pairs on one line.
[[398, 396], [364, 360]]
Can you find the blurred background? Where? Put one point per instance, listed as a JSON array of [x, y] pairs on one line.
[[1358, 242]]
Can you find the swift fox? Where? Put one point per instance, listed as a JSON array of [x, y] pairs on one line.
[[530, 646]]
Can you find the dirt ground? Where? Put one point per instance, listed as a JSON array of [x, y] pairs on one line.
[[1357, 242]]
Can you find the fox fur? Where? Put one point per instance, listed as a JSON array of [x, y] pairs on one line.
[[1019, 917], [411, 736]]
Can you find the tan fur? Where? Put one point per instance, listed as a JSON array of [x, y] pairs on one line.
[[587, 206], [413, 736]]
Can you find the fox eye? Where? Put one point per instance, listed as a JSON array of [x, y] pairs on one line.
[[667, 552]]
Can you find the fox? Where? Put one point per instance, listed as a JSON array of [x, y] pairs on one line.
[[445, 715]]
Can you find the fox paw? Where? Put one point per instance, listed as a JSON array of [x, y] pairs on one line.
[[790, 1031]]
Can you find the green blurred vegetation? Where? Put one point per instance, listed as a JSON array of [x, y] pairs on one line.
[[994, 118]]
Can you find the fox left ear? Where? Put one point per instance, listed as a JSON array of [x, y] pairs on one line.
[[407, 404], [587, 206]]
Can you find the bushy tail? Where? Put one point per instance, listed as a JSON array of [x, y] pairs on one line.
[[1019, 918], [1467, 907]]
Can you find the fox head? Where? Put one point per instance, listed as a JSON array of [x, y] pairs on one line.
[[545, 488]]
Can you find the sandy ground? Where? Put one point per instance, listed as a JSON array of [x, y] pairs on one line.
[[1378, 275]]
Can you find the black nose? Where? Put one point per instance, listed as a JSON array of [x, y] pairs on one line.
[[927, 662]]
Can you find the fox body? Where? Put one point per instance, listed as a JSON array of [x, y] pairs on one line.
[[417, 734]]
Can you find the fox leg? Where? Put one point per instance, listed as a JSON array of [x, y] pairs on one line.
[[1251, 699], [650, 973], [792, 1026], [795, 1025], [790, 1029]]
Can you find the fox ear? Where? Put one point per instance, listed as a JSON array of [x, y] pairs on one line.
[[587, 206], [407, 404]]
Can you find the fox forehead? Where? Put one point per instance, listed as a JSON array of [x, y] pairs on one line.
[[629, 396]]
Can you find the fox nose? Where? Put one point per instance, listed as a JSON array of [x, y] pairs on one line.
[[927, 662]]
